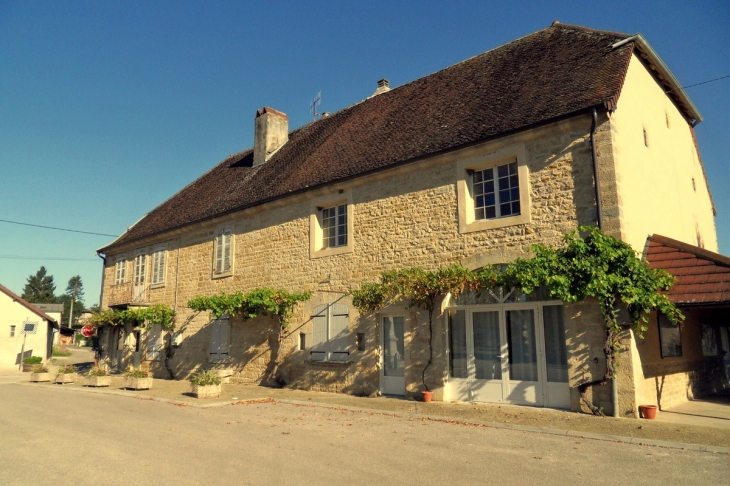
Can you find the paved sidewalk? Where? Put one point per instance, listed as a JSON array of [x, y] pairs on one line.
[[512, 416]]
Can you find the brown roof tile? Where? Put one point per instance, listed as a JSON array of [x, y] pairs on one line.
[[703, 277], [552, 73]]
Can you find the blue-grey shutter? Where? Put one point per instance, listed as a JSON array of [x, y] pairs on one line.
[[319, 335], [224, 338], [154, 342], [339, 332]]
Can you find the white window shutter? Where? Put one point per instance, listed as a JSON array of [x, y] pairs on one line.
[[214, 339], [226, 250], [219, 253], [319, 335], [224, 337], [161, 265], [154, 342]]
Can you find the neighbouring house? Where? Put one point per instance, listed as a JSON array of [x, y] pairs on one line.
[[55, 311], [25, 330], [473, 164]]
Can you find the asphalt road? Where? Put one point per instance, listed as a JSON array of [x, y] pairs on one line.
[[53, 436]]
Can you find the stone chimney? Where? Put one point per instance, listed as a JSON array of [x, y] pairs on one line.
[[383, 86], [271, 133]]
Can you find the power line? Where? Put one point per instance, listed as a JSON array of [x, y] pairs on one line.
[[63, 259], [703, 82], [58, 229]]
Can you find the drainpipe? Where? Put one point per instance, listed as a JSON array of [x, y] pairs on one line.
[[97, 353], [599, 211]]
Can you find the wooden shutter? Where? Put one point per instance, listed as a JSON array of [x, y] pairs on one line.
[[226, 250], [339, 331], [219, 253], [224, 334], [219, 339], [154, 342], [158, 266], [319, 336]]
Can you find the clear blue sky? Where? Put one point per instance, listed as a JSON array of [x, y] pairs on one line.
[[109, 108]]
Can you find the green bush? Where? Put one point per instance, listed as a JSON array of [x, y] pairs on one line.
[[203, 378], [33, 360]]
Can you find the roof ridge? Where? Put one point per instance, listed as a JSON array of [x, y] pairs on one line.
[[695, 250], [590, 30]]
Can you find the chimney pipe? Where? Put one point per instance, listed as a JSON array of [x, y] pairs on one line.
[[383, 86], [271, 132]]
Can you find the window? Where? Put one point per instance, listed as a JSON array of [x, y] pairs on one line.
[[223, 252], [329, 339], [670, 338], [158, 266], [120, 271], [496, 192], [140, 264], [12, 331], [220, 338], [331, 224], [493, 189], [334, 226]]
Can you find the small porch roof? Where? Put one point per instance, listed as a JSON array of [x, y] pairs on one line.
[[703, 277]]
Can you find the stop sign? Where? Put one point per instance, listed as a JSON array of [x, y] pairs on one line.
[[88, 331]]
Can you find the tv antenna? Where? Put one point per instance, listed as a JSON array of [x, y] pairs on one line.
[[313, 105]]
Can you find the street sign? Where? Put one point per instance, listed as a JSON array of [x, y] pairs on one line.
[[29, 327], [88, 331]]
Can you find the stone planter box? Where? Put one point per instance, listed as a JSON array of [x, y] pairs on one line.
[[38, 377], [27, 368], [98, 380], [206, 391], [138, 383], [66, 378]]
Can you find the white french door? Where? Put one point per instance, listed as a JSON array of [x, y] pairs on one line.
[[514, 353], [392, 370]]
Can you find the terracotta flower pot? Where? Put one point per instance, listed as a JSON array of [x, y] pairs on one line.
[[427, 395], [648, 411]]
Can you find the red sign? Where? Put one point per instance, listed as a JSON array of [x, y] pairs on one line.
[[88, 331]]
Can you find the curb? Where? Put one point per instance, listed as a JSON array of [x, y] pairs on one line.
[[447, 420]]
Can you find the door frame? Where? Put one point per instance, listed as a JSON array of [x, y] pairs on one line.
[[383, 378]]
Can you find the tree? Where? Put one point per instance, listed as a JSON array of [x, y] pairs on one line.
[[40, 288], [74, 294]]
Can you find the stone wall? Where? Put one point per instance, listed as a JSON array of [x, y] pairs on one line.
[[402, 217]]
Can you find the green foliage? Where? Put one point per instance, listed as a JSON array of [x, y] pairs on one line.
[[57, 351], [75, 288], [136, 373], [148, 317], [33, 360], [78, 309], [66, 370], [39, 369], [98, 371], [204, 378], [263, 301], [40, 288]]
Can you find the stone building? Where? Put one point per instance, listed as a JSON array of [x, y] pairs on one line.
[[472, 164]]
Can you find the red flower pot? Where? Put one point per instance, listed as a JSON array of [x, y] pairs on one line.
[[648, 411], [427, 395]]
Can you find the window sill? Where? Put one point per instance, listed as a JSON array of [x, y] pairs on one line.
[[330, 364], [157, 285], [487, 224], [226, 274], [338, 250]]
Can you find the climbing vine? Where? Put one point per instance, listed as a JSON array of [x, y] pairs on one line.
[[588, 264], [148, 317], [263, 301]]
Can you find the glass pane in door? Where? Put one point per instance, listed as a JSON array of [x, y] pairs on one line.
[[556, 355], [457, 344], [393, 350], [487, 352], [522, 345]]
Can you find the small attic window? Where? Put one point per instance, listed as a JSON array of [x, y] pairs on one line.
[[646, 138]]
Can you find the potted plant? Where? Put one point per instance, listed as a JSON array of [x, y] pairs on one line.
[[98, 376], [66, 374], [206, 384], [30, 362], [40, 373], [137, 379]]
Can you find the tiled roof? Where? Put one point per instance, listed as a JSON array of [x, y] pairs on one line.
[[703, 277], [16, 298], [552, 73]]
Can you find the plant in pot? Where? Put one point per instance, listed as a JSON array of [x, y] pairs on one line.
[[98, 376], [40, 373], [30, 362], [66, 374], [137, 379], [206, 384]]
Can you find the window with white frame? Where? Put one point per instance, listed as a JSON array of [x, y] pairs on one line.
[[140, 266], [493, 189], [331, 330], [334, 226], [223, 251], [158, 266], [220, 338], [12, 331], [496, 192], [120, 271]]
